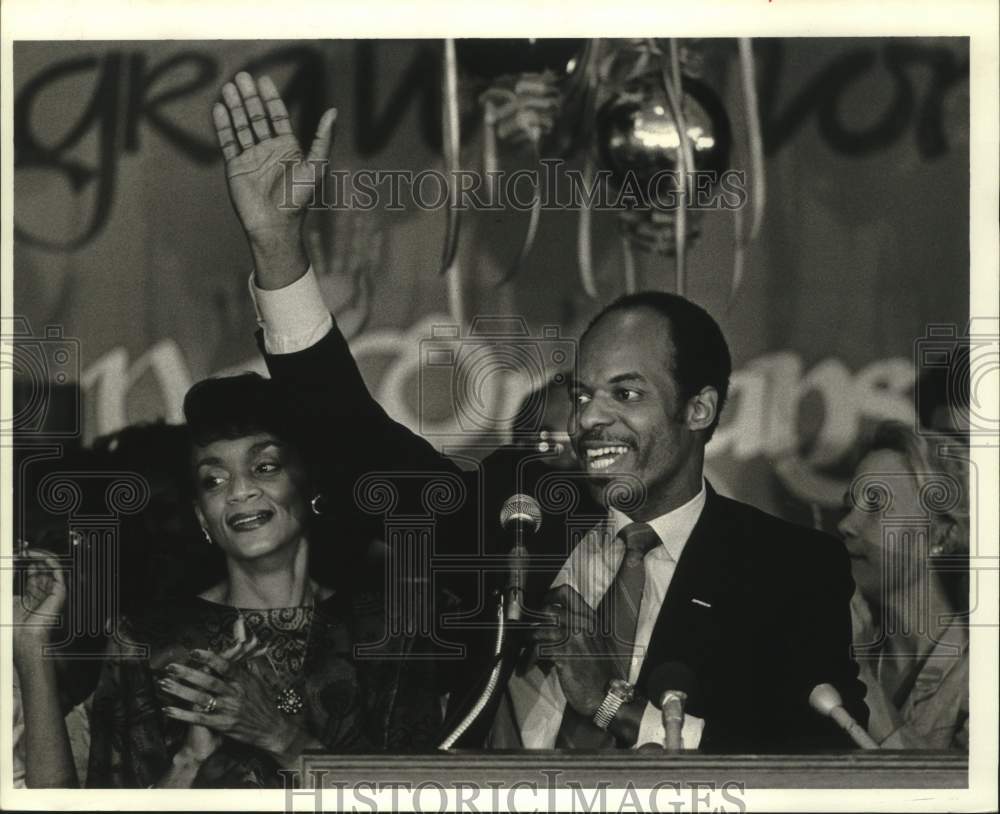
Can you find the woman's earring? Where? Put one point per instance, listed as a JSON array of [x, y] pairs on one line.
[[318, 504], [206, 535], [936, 550]]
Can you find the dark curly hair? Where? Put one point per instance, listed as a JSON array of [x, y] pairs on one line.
[[231, 407]]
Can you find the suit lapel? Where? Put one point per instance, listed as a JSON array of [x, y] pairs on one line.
[[688, 628]]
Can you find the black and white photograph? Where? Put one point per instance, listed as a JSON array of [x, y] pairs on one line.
[[410, 409]]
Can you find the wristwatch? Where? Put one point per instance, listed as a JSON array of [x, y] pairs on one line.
[[619, 692]]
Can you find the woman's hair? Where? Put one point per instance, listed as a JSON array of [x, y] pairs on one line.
[[231, 407], [941, 469], [236, 406]]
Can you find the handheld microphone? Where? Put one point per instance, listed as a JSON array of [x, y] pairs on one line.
[[827, 702], [671, 686], [520, 518]]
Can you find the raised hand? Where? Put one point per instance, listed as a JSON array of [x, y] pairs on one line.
[[271, 182], [48, 757], [37, 609]]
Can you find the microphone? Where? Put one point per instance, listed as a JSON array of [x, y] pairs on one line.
[[827, 702], [671, 685], [520, 518]]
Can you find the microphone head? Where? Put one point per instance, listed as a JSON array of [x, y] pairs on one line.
[[825, 699], [671, 675], [521, 509]]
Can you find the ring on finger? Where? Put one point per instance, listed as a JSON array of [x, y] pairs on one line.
[[209, 707]]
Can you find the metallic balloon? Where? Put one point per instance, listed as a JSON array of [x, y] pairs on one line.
[[636, 132]]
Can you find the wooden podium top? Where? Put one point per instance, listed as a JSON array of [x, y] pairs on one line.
[[561, 769]]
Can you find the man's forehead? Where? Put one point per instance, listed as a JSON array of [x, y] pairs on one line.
[[633, 340]]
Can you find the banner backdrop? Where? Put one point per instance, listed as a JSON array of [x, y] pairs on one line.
[[126, 243]]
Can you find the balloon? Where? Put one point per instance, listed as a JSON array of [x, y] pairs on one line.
[[636, 131], [492, 58]]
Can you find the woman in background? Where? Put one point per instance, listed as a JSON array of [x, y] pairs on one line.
[[907, 533], [225, 689]]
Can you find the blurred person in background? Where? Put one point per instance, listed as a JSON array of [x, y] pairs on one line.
[[162, 552], [907, 533], [541, 424], [47, 539], [42, 755]]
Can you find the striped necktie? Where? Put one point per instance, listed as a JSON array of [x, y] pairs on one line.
[[618, 615], [619, 610]]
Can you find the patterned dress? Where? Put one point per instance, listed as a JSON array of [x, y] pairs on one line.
[[360, 687]]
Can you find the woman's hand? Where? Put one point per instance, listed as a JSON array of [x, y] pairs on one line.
[[48, 756], [244, 707], [37, 609], [271, 182], [201, 741]]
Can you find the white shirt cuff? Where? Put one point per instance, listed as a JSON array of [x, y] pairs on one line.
[[293, 318], [651, 729]]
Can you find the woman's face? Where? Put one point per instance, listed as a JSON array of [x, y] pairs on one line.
[[883, 531], [251, 495]]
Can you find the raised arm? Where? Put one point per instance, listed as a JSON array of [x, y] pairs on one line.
[[271, 183], [48, 758]]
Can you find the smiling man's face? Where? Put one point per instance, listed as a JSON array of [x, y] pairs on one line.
[[630, 419]]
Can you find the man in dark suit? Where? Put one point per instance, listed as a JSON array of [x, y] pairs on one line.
[[755, 609]]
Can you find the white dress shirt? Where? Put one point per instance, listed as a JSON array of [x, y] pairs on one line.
[[536, 698], [293, 318]]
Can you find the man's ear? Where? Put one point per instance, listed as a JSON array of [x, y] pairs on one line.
[[702, 408], [199, 514]]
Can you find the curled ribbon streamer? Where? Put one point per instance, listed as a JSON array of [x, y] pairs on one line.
[[450, 129], [629, 264], [685, 158], [491, 163], [450, 265], [583, 250], [739, 256], [529, 235], [756, 140], [523, 115], [758, 181]]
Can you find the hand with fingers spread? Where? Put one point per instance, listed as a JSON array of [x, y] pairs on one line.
[[271, 181], [229, 698]]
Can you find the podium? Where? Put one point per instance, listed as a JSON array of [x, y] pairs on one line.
[[617, 768]]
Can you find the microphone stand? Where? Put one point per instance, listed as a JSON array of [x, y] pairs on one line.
[[491, 684], [509, 607]]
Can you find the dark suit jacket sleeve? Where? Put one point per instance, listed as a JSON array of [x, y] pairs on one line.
[[349, 436], [819, 629], [330, 396]]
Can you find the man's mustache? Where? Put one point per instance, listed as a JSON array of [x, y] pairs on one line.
[[602, 438]]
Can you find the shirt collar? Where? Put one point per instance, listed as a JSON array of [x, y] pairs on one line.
[[673, 528]]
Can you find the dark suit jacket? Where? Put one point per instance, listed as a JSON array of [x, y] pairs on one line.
[[772, 619]]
